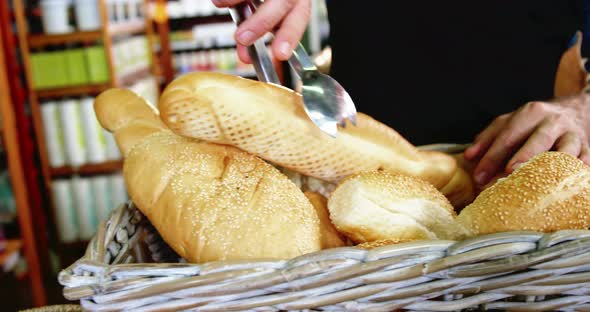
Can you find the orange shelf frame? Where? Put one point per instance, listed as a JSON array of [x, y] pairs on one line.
[[19, 185], [41, 40], [106, 167], [73, 91], [119, 29]]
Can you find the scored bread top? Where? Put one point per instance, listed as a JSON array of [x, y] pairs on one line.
[[208, 201], [212, 202]]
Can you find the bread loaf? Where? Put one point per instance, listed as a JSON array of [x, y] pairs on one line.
[[331, 238], [269, 121], [208, 202], [374, 206], [548, 193], [127, 116]]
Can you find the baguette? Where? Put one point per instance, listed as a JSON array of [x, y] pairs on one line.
[[269, 121], [209, 202]]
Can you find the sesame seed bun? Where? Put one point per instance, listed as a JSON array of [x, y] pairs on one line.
[[380, 205], [548, 193]]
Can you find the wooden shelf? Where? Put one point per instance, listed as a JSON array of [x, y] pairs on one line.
[[73, 91], [246, 73], [106, 167], [189, 22], [127, 28], [41, 40]]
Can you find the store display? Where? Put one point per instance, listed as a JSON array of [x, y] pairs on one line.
[[83, 202], [96, 61], [55, 16], [85, 207], [101, 196], [76, 67], [111, 146], [74, 141], [53, 133], [118, 189], [71, 67], [66, 218], [192, 8], [96, 149], [131, 55], [49, 70], [223, 60], [87, 15], [74, 135]]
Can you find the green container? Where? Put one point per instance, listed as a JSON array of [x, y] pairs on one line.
[[96, 63], [77, 69], [49, 70]]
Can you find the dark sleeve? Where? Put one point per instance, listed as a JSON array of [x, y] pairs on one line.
[[579, 9]]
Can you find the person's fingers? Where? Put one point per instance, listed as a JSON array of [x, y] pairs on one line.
[[243, 54], [485, 138], [226, 3], [264, 20], [520, 126], [569, 143], [585, 154], [291, 30], [541, 140]]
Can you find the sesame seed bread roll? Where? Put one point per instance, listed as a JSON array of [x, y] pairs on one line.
[[210, 202], [269, 121], [375, 206], [331, 238], [550, 192]]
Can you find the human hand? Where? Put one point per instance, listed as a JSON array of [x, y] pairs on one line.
[[532, 129], [290, 16]]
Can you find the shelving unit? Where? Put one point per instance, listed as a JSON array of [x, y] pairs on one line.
[[107, 35], [166, 49], [29, 239]]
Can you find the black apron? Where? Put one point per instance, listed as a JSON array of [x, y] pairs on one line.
[[451, 66]]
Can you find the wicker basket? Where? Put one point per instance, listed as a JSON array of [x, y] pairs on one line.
[[518, 271]]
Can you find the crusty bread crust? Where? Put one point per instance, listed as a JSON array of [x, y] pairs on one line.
[[208, 201], [269, 121], [374, 206], [548, 193]]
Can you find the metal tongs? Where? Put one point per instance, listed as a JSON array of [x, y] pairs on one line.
[[325, 101]]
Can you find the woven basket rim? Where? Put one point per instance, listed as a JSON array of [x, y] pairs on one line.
[[545, 269]]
